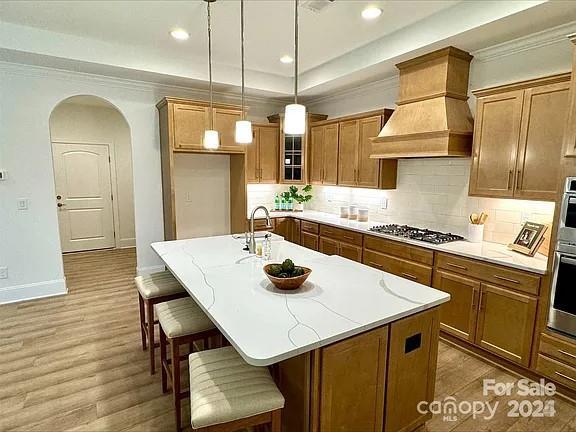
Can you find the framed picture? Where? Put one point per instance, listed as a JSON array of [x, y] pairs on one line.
[[529, 238]]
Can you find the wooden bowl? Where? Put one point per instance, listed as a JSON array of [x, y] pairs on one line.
[[288, 284]]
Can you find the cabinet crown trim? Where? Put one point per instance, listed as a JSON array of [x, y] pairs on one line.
[[521, 85], [182, 101]]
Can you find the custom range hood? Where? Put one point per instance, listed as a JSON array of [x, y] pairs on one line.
[[432, 118]]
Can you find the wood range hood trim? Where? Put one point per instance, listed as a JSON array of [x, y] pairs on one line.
[[432, 118]]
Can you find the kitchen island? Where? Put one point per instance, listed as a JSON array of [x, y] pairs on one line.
[[353, 349]]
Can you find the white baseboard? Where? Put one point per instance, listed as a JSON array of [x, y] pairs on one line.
[[18, 293], [142, 271]]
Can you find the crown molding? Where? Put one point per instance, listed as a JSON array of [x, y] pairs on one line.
[[153, 88], [384, 84], [525, 43]]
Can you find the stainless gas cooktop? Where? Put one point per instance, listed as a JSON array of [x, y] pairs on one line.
[[414, 233]]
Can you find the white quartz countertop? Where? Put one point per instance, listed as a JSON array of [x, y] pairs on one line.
[[341, 298], [486, 251]]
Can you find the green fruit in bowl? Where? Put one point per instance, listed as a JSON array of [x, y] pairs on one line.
[[288, 266]]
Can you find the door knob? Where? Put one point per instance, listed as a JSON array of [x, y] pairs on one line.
[[61, 205], [58, 197]]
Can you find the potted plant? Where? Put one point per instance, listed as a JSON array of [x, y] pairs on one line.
[[300, 198]]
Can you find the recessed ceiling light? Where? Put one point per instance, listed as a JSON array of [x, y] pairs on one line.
[[371, 12], [179, 34], [286, 59]]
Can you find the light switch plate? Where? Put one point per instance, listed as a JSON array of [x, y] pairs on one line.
[[3, 272], [384, 204], [22, 204]]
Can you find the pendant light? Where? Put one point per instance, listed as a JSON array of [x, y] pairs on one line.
[[211, 137], [243, 133], [295, 114]]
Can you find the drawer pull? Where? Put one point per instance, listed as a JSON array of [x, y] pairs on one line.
[[507, 279], [567, 353], [565, 376], [348, 237], [375, 264], [461, 267], [328, 232], [409, 276]]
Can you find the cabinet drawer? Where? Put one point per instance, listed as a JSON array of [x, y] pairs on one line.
[[557, 371], [259, 225], [509, 278], [310, 227], [309, 241], [401, 250], [398, 266], [558, 349], [346, 236]]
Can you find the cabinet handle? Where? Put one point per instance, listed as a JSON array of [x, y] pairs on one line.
[[375, 264], [482, 301], [565, 376], [509, 184], [519, 180], [409, 276], [348, 237], [567, 353], [507, 279], [475, 297], [461, 267], [328, 232]]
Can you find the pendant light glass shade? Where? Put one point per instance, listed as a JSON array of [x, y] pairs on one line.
[[295, 114], [211, 139], [295, 119], [211, 136], [243, 134]]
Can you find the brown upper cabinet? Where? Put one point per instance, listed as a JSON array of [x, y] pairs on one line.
[[293, 166], [324, 154], [518, 136], [188, 119], [262, 155], [340, 152]]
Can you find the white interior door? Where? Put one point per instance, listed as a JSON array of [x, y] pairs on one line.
[[83, 196]]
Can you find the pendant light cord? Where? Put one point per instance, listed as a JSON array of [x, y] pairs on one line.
[[210, 65], [242, 51], [295, 51]]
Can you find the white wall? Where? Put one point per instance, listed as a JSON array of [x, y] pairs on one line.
[[30, 247], [75, 122], [202, 193]]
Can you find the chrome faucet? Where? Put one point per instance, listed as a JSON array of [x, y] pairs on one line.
[[252, 241]]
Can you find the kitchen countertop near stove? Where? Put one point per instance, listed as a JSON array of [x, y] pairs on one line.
[[494, 253]]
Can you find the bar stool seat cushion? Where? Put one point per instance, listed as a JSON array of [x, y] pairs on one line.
[[158, 284], [182, 317], [224, 388]]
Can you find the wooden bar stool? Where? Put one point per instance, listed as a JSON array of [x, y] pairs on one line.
[[182, 322], [227, 394], [152, 289]]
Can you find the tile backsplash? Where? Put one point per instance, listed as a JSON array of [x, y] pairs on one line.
[[431, 193]]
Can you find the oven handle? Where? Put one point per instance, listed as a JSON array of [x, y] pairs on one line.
[[566, 260]]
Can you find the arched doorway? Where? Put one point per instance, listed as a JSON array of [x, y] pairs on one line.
[[92, 157]]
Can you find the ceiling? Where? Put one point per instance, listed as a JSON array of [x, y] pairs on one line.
[[338, 49], [269, 26]]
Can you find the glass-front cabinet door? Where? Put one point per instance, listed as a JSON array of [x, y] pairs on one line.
[[293, 159]]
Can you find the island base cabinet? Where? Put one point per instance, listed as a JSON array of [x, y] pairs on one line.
[[371, 382], [351, 383], [411, 378]]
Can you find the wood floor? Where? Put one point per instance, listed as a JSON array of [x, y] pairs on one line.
[[75, 363]]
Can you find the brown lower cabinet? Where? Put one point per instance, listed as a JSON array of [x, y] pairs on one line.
[[400, 267], [289, 228], [309, 240], [492, 317], [330, 246]]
